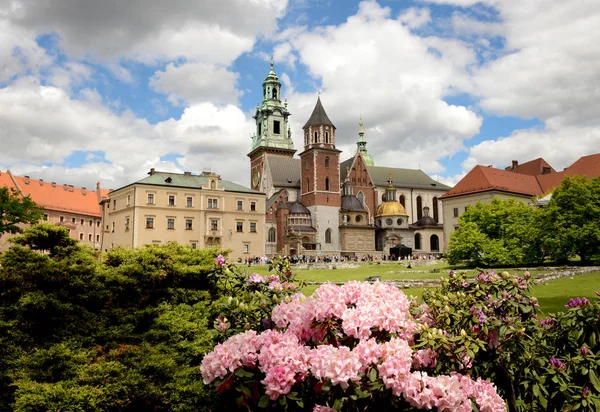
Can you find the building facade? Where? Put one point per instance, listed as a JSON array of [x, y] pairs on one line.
[[78, 209], [318, 206], [196, 210]]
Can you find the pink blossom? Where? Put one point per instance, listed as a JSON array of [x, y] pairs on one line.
[[320, 408], [220, 260], [255, 278]]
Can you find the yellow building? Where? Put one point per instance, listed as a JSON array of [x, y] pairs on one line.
[[197, 210]]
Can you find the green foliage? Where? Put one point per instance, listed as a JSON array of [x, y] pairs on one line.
[[501, 233], [127, 333], [571, 220], [488, 327], [16, 211]]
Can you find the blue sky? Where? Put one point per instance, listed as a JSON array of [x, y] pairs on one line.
[[102, 91]]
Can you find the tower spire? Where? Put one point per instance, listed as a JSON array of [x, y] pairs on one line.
[[361, 145]]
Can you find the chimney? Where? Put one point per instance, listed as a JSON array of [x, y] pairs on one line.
[[83, 191], [151, 172], [546, 170], [187, 173], [515, 163], [53, 184], [41, 182], [70, 188], [26, 180], [65, 186]]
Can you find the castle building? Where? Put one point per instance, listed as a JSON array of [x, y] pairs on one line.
[[75, 208], [318, 205], [196, 210]]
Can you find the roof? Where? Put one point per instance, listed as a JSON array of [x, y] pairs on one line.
[[285, 171], [298, 208], [391, 208], [6, 181], [350, 203], [409, 178], [533, 167], [63, 198], [190, 181], [318, 116], [481, 179]]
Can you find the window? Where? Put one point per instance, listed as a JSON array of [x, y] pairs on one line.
[[316, 139], [170, 223], [98, 223], [97, 238], [194, 246], [389, 221], [402, 201], [240, 205], [417, 241], [189, 201], [62, 219], [214, 224], [115, 204], [239, 226], [328, 236], [73, 220], [171, 200], [455, 212], [435, 209], [188, 224], [434, 243], [306, 164], [213, 203], [128, 200], [81, 236], [358, 219], [91, 223], [252, 226], [150, 199], [326, 137], [260, 128], [399, 222], [149, 223], [419, 207], [213, 184], [361, 198], [46, 216], [253, 206], [327, 161], [326, 183], [276, 127], [81, 222], [271, 235], [246, 248], [127, 223], [113, 226], [90, 237]]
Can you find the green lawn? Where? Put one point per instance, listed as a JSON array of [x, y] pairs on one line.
[[552, 295]]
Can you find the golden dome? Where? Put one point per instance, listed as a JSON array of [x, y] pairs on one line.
[[391, 208]]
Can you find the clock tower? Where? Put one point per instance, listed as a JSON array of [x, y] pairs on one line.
[[272, 135]]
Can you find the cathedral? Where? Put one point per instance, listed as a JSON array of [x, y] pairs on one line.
[[318, 205]]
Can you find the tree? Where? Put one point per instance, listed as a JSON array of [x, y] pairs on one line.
[[16, 211], [571, 220], [503, 232]]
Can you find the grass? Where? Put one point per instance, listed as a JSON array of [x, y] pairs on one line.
[[552, 295]]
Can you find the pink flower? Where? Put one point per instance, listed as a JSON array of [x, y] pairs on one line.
[[220, 260], [320, 408], [255, 278]]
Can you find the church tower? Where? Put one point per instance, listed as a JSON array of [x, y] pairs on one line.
[[320, 185], [361, 146], [272, 135]]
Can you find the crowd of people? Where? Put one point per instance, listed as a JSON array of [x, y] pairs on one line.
[[255, 260]]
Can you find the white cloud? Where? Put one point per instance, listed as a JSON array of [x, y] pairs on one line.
[[373, 65], [415, 17], [196, 82], [70, 74]]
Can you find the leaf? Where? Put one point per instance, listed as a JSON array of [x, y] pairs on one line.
[[594, 380], [243, 373], [264, 401], [372, 375]]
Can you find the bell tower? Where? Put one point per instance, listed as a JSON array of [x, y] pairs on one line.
[[320, 185], [272, 134]]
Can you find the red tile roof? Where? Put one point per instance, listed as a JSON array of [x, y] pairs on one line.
[[52, 196], [5, 180], [526, 179]]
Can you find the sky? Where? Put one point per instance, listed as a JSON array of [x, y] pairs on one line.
[[105, 90]]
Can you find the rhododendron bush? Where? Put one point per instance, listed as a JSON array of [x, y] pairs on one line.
[[346, 347]]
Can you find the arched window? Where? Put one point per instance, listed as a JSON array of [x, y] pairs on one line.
[[316, 135], [271, 236], [327, 161], [419, 207], [434, 243], [326, 137], [417, 241], [383, 197], [275, 93], [326, 183], [435, 209], [402, 201], [361, 198], [328, 236], [213, 185]]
